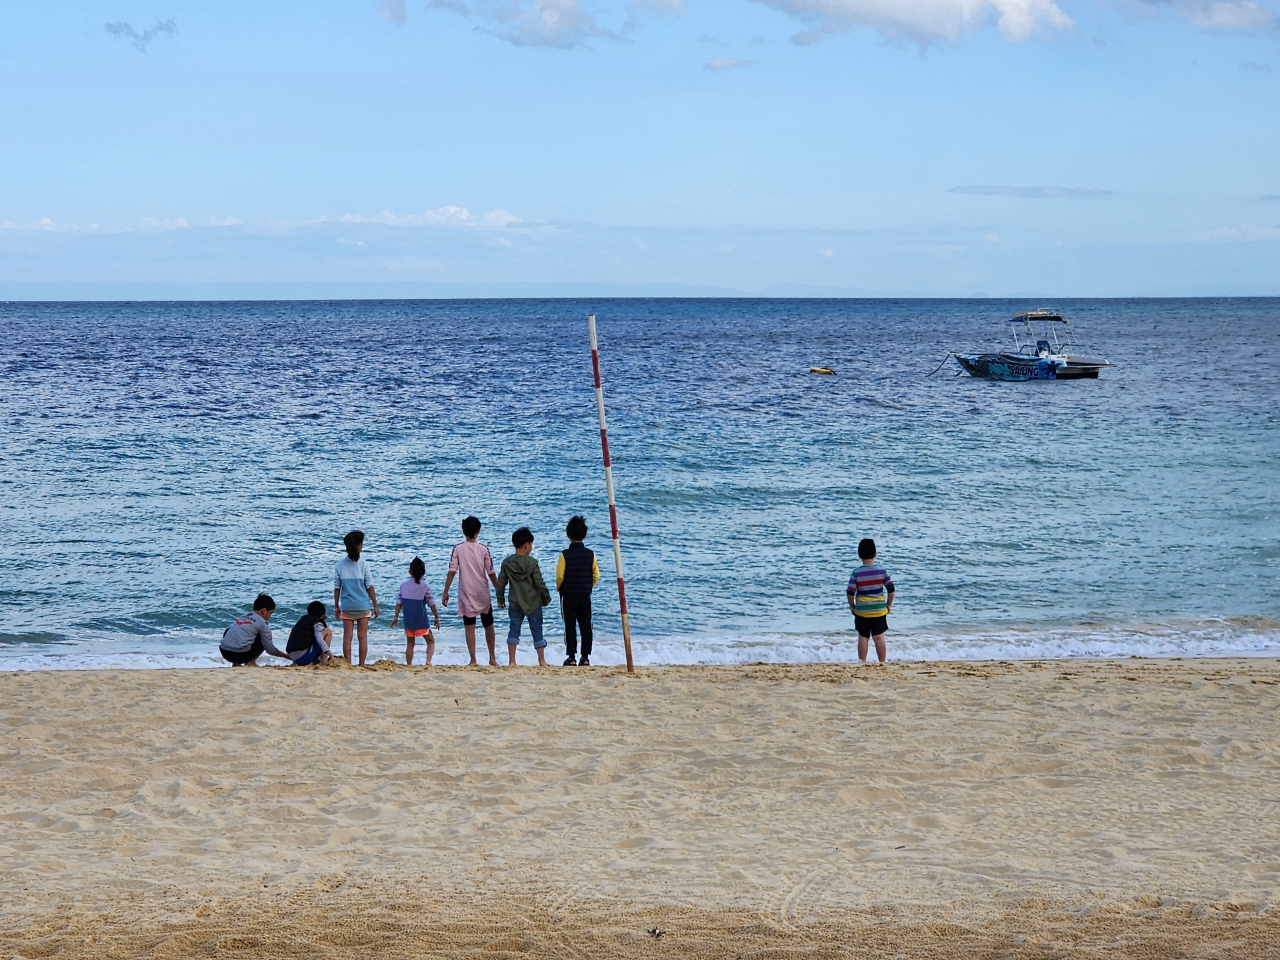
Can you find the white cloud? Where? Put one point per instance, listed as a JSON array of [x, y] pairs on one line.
[[1035, 193], [725, 63], [47, 225], [1218, 16], [449, 216], [926, 21], [393, 11], [223, 222], [537, 23], [991, 237], [1233, 16], [177, 223], [1244, 233]]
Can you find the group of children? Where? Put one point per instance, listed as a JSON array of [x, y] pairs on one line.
[[355, 601]]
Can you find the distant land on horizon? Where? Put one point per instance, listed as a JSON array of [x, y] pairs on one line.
[[169, 291]]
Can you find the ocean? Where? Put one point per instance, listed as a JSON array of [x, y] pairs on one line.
[[163, 463]]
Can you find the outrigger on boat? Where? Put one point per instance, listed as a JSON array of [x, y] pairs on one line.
[[1044, 348]]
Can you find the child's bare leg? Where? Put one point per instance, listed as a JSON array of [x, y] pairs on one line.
[[408, 651], [511, 649], [491, 638], [470, 630], [363, 630], [542, 657], [431, 647], [347, 628], [862, 647], [881, 651]]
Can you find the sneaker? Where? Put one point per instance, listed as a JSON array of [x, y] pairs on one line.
[[568, 662], [584, 662]]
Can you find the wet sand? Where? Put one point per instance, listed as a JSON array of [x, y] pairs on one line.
[[1067, 808]]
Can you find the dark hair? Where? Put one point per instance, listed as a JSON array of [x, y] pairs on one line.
[[315, 609], [867, 549], [576, 528], [354, 541], [521, 537], [471, 527], [417, 569], [264, 602]]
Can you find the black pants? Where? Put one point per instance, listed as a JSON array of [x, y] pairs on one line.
[[576, 612], [241, 657]]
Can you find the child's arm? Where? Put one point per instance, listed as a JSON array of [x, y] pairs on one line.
[[559, 570], [337, 610], [448, 582], [373, 597], [888, 586], [494, 580], [396, 615], [436, 613], [501, 584], [595, 572]]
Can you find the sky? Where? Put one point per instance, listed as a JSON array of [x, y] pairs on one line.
[[165, 148]]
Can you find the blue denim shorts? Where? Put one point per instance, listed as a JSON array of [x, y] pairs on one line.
[[535, 627]]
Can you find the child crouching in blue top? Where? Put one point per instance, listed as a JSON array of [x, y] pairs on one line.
[[310, 637]]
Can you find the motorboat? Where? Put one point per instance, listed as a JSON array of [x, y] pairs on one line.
[[1044, 348]]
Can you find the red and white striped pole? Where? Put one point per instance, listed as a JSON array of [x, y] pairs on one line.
[[608, 482]]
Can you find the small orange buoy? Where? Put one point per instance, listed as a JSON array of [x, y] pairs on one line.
[[825, 371]]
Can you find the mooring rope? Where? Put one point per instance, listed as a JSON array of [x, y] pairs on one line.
[[942, 364]]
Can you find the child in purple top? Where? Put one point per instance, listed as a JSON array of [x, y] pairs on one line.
[[415, 598]]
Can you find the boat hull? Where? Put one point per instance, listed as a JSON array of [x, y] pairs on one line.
[[1010, 367], [1079, 371]]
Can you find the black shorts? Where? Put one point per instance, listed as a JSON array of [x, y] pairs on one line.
[[241, 657], [486, 619], [871, 626]]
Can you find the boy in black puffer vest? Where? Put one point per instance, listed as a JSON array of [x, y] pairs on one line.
[[576, 574], [310, 637]]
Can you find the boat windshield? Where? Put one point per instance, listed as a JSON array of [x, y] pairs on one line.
[[1045, 333]]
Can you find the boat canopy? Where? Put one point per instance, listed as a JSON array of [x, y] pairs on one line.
[[1040, 315]]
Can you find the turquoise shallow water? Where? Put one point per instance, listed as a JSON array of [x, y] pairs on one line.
[[162, 463]]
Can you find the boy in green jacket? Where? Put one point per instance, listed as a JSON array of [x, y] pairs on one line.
[[528, 594]]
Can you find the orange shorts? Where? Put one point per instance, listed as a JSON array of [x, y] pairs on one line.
[[418, 633], [363, 616]]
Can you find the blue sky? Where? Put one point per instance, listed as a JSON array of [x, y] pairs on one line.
[[916, 147]]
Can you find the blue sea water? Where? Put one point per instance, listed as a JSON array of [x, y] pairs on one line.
[[162, 463]]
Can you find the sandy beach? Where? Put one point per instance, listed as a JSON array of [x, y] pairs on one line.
[[1069, 808]]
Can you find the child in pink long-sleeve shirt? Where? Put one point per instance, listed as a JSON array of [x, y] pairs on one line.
[[472, 563]]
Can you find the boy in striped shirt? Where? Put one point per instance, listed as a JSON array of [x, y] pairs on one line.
[[870, 594]]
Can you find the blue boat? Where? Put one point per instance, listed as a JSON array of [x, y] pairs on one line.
[[1044, 348], [1010, 366]]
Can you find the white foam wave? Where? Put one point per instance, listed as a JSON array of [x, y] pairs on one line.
[[1201, 638]]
